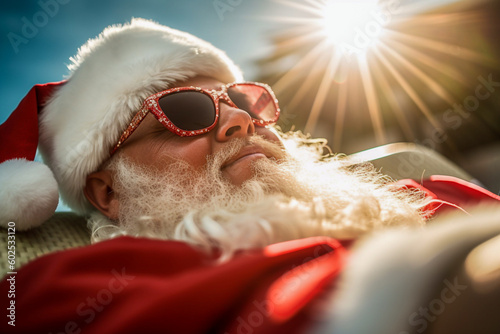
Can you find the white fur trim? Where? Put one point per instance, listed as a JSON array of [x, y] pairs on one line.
[[392, 274], [110, 77], [28, 194]]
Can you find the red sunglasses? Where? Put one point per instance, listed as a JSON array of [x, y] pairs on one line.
[[192, 111]]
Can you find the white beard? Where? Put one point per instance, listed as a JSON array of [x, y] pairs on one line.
[[288, 198]]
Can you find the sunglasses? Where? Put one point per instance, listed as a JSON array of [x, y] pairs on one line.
[[192, 111]]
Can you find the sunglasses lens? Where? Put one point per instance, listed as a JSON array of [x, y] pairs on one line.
[[255, 100], [188, 110]]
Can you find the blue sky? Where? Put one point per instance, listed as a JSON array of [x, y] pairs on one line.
[[43, 57]]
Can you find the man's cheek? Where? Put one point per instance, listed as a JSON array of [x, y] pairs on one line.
[[270, 134]]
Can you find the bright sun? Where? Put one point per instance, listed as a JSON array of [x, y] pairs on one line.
[[384, 57], [352, 23]]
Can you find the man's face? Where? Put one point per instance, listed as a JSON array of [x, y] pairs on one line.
[[236, 186], [152, 145]]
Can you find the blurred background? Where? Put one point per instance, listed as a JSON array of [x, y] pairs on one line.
[[359, 73]]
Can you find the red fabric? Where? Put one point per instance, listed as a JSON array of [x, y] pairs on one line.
[[130, 285], [456, 193], [19, 133]]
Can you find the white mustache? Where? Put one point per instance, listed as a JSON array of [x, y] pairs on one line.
[[239, 146]]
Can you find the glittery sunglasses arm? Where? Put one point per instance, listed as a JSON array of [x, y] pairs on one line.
[[138, 118]]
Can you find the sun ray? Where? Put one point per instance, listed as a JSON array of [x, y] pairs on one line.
[[389, 71], [426, 79], [298, 41], [288, 77], [445, 48], [288, 19], [305, 86], [315, 9], [441, 19], [433, 63], [322, 93], [372, 101], [390, 97], [410, 91], [419, 6], [339, 118]]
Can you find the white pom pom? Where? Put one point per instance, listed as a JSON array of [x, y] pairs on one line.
[[28, 193]]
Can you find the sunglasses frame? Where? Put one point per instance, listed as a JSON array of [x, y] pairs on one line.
[[152, 105]]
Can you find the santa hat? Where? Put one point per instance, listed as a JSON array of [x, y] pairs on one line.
[[76, 122]]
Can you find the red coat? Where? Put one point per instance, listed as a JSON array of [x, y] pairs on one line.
[[135, 285]]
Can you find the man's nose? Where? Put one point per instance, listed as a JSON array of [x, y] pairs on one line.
[[233, 123]]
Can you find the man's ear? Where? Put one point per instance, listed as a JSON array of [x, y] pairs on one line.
[[99, 191]]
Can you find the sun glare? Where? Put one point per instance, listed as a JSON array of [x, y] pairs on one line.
[[351, 23], [395, 61]]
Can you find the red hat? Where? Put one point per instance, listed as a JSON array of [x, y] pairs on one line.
[[28, 194]]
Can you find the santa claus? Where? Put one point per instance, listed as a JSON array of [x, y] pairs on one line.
[[155, 135]]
